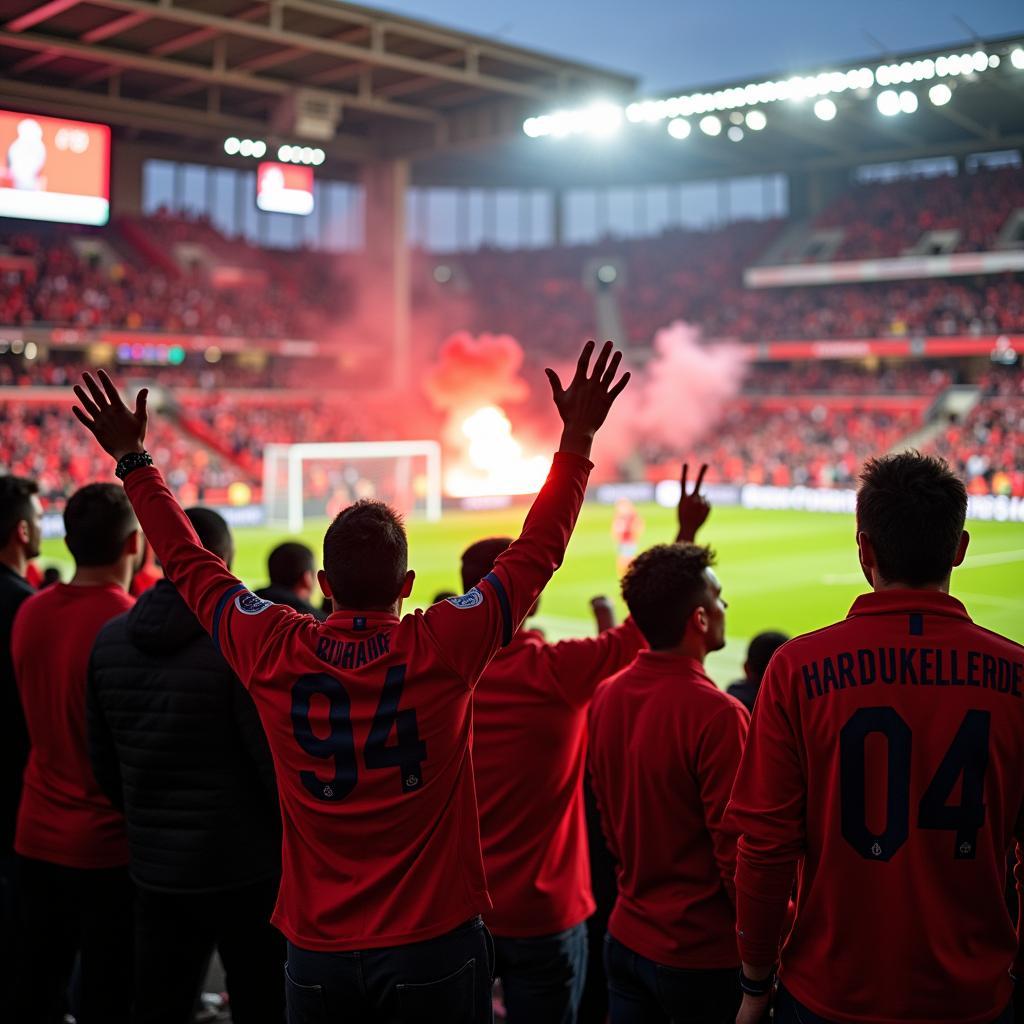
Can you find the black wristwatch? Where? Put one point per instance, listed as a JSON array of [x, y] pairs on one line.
[[132, 461], [761, 987]]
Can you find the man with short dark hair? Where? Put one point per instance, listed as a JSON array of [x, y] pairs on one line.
[[885, 760], [292, 578], [74, 892], [529, 754], [176, 743], [665, 743], [759, 653], [369, 717], [21, 515]]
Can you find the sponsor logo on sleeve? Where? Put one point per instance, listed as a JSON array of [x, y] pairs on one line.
[[472, 599], [249, 604]]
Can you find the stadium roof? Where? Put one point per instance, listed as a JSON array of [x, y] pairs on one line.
[[177, 77], [770, 124], [188, 71]]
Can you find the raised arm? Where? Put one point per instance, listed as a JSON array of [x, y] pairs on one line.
[[201, 578], [469, 629], [693, 509]]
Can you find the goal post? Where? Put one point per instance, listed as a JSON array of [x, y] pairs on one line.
[[390, 469]]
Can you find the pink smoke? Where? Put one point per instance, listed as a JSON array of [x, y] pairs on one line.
[[673, 401], [471, 372]]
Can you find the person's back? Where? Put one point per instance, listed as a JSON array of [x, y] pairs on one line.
[[170, 723], [886, 755], [74, 891], [665, 743], [176, 742], [369, 718]]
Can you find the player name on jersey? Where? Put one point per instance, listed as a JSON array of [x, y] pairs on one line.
[[912, 666]]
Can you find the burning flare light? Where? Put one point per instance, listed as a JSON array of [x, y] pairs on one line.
[[494, 461]]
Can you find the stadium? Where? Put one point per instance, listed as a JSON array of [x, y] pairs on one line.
[[337, 247]]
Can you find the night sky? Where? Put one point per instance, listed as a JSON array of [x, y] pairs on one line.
[[678, 43]]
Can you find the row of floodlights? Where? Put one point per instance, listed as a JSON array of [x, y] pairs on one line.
[[604, 119], [257, 149]]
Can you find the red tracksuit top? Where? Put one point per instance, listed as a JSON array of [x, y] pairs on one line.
[[665, 744], [886, 754], [64, 817], [369, 720], [529, 752]]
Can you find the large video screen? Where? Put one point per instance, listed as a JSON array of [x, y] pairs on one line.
[[284, 188], [54, 169]]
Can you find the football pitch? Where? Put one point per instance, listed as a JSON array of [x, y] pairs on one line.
[[793, 571]]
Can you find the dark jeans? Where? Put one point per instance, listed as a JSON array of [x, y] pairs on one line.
[[175, 937], [542, 978], [447, 979], [789, 1011], [641, 991], [63, 910]]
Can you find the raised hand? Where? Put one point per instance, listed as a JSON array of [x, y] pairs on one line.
[[117, 429], [584, 404], [693, 509]]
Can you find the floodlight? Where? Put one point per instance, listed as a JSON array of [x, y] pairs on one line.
[[908, 101], [825, 109], [607, 274], [735, 133], [756, 120], [231, 146], [284, 153], [710, 125], [888, 103], [1017, 58], [259, 149], [319, 156], [679, 128], [245, 147], [940, 94]]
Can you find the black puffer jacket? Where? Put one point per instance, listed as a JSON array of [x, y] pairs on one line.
[[175, 741]]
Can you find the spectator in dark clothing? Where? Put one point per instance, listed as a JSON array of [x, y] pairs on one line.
[[292, 578], [759, 653], [176, 742], [21, 515]]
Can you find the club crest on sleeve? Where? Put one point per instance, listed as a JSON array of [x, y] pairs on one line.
[[471, 599], [249, 604]]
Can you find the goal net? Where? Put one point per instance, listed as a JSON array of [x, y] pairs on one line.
[[307, 481]]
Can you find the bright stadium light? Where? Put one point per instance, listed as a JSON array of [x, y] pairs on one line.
[[259, 149], [245, 147], [284, 154], [888, 103], [825, 109], [735, 133], [711, 125], [940, 94], [679, 128], [756, 120], [319, 156], [908, 101], [1017, 58], [231, 146]]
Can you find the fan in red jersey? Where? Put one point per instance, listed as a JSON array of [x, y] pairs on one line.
[[74, 891], [369, 719], [665, 744], [531, 711], [885, 763]]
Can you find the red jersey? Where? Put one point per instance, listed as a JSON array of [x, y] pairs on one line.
[[64, 818], [885, 755], [665, 744], [369, 720], [530, 713]]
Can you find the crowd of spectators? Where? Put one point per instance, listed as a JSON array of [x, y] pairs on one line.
[[837, 378], [987, 448], [885, 219], [46, 281]]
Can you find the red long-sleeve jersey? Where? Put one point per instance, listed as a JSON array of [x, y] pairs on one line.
[[64, 816], [885, 756], [529, 751], [665, 744], [369, 720]]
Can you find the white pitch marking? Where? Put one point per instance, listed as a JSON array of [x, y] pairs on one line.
[[972, 562]]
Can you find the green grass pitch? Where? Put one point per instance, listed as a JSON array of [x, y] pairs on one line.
[[793, 571]]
